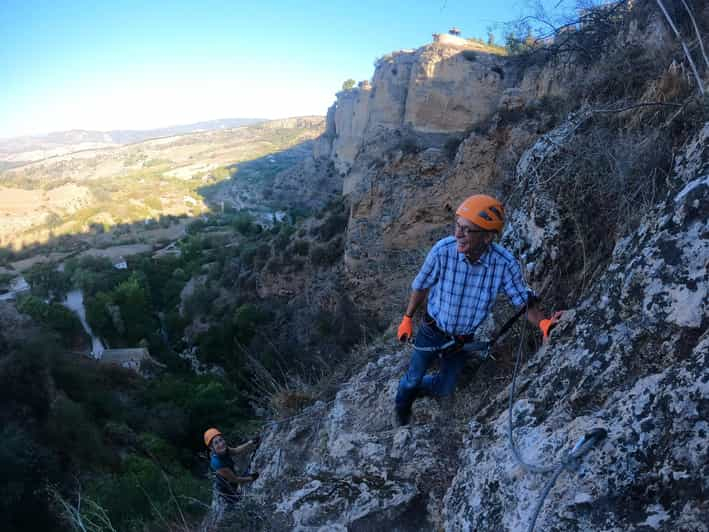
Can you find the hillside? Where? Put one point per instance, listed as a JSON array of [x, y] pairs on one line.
[[98, 189], [274, 312], [15, 151], [598, 143]]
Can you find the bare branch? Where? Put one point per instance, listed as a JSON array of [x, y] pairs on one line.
[[638, 105], [86, 516], [696, 30], [700, 85]]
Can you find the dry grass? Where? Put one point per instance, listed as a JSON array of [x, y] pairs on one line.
[[603, 181], [283, 394]]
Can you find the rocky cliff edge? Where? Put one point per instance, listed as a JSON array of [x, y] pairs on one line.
[[631, 358]]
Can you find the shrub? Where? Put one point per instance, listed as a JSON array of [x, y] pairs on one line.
[[6, 255], [299, 213], [283, 238], [255, 254], [72, 430], [301, 247], [327, 254], [24, 376], [409, 145], [26, 466], [244, 223], [604, 181], [143, 492], [334, 224], [450, 148], [247, 319], [46, 281], [53, 315], [196, 226]]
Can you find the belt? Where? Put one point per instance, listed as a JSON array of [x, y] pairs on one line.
[[463, 338], [463, 343]]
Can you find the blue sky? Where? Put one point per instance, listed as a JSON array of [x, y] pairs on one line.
[[141, 64]]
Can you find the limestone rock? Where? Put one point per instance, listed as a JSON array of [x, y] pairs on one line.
[[342, 466], [437, 89], [449, 90], [631, 358], [512, 99]]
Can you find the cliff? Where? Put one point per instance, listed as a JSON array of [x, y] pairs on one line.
[[436, 89], [631, 358], [605, 176]]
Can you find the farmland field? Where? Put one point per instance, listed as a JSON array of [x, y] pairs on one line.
[[124, 190]]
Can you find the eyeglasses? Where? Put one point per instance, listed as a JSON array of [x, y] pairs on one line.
[[217, 439], [465, 230]]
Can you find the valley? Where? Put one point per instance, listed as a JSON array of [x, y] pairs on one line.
[[122, 191]]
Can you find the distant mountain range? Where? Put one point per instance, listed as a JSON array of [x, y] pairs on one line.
[[10, 148]]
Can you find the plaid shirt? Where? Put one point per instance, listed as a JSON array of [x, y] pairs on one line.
[[462, 294]]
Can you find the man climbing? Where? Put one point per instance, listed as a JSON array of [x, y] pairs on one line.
[[461, 276], [226, 481]]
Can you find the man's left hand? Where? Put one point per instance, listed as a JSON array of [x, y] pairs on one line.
[[546, 325]]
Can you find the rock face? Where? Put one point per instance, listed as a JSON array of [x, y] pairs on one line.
[[340, 466], [403, 197], [437, 89], [435, 125], [449, 90], [631, 358]]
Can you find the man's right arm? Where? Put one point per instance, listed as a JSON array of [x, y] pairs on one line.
[[426, 278], [417, 297]]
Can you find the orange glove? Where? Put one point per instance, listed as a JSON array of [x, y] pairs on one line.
[[406, 329], [546, 325]]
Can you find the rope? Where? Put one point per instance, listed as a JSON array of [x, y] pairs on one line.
[[570, 462], [530, 468], [547, 488]]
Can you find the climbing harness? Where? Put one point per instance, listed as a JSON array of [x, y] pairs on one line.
[[483, 348], [571, 460]]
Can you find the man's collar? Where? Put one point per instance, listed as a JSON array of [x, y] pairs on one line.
[[483, 260]]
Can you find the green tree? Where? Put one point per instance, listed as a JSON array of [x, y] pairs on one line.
[[244, 223], [133, 298], [53, 220], [98, 316], [247, 319], [46, 281], [348, 84], [53, 315]]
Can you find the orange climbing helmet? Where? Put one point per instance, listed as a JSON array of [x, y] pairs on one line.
[[209, 435], [484, 211]]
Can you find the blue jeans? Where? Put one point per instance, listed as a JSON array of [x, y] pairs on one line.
[[415, 382]]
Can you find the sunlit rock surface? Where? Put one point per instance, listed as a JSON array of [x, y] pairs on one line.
[[436, 89]]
